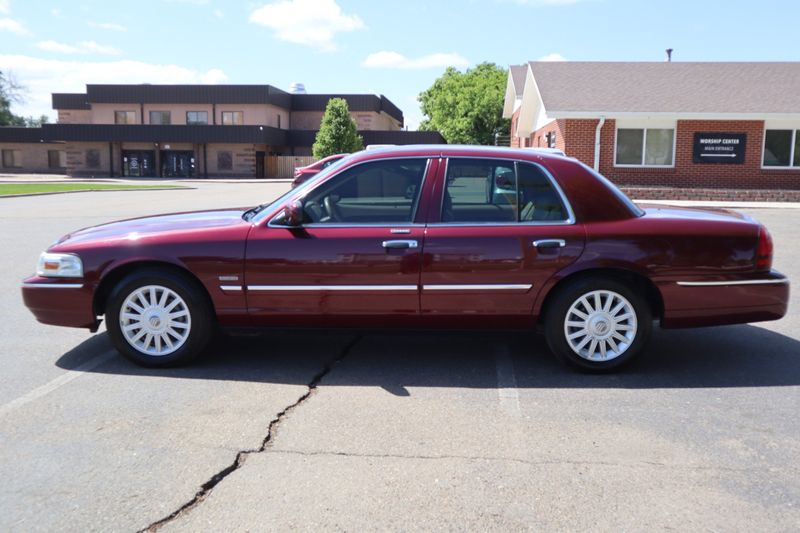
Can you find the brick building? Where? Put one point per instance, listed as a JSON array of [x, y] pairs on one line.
[[708, 126], [189, 131]]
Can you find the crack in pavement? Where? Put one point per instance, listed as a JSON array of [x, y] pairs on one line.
[[557, 462], [241, 456]]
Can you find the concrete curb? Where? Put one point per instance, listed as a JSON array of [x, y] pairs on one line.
[[23, 195]]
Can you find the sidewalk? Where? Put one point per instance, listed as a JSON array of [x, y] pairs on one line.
[[57, 178]]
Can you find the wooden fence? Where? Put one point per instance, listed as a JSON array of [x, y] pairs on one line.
[[282, 166]]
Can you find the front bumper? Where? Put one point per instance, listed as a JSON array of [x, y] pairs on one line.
[[704, 302], [60, 302]]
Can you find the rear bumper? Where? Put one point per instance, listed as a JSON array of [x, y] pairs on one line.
[[60, 302], [704, 302]]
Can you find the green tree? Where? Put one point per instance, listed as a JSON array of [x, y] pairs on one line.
[[10, 91], [338, 132], [33, 122], [466, 107]]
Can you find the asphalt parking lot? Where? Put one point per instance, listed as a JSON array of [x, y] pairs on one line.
[[355, 431]]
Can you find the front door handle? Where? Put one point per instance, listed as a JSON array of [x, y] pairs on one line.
[[400, 244], [549, 243]]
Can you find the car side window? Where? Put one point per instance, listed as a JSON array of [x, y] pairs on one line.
[[374, 192], [480, 190], [491, 191], [538, 199]]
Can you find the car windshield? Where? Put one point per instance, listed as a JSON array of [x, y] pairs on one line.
[[250, 213]]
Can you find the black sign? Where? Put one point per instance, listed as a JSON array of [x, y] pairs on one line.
[[719, 148]]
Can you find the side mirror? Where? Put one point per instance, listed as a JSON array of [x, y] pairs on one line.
[[293, 214]]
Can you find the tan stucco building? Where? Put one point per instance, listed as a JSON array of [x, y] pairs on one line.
[[188, 130]]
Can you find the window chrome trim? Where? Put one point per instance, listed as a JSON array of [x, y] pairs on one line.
[[371, 225], [480, 287], [569, 221], [332, 287], [732, 282], [415, 207], [53, 285]]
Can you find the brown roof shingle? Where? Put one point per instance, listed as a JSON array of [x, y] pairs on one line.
[[518, 73], [663, 87]]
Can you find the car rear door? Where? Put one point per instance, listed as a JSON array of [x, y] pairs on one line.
[[502, 229], [355, 260]]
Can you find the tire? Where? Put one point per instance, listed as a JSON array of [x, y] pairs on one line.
[[597, 338], [175, 319]]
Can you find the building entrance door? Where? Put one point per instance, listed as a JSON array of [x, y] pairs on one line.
[[138, 163], [177, 164], [260, 156]]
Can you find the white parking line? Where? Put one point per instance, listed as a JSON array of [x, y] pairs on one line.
[[61, 380], [506, 381]]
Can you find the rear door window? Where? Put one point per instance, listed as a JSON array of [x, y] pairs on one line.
[[499, 191]]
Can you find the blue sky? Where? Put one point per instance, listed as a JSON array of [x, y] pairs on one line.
[[391, 47]]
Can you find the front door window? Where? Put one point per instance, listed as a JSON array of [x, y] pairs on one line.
[[380, 192]]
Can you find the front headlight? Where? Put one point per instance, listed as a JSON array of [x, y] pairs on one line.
[[59, 266]]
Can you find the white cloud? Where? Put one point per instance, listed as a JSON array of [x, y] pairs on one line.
[[107, 26], [84, 47], [308, 22], [555, 56], [213, 76], [14, 26], [218, 13], [45, 76], [5, 7], [94, 48], [55, 12], [61, 48], [396, 60]]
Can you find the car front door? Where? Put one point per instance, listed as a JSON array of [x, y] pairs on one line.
[[503, 229], [355, 259]]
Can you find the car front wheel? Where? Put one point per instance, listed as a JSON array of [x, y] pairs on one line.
[[597, 324], [158, 319]]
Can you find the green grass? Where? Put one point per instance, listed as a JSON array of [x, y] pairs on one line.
[[13, 189]]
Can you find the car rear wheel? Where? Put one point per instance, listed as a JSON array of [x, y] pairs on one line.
[[158, 318], [597, 324]]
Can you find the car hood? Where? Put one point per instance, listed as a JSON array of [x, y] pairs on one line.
[[137, 228]]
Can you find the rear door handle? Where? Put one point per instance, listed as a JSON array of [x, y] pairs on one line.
[[400, 244], [549, 243]]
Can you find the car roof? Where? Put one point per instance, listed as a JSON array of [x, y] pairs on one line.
[[456, 150]]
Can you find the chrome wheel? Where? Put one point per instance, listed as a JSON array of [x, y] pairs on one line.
[[600, 325], [155, 320]]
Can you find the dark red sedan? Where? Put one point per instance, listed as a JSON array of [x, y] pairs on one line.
[[302, 174], [419, 237]]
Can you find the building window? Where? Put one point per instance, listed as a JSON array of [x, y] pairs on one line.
[[92, 158], [124, 117], [224, 160], [781, 148], [196, 117], [232, 118], [12, 158], [651, 147], [56, 159], [160, 117], [279, 121]]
